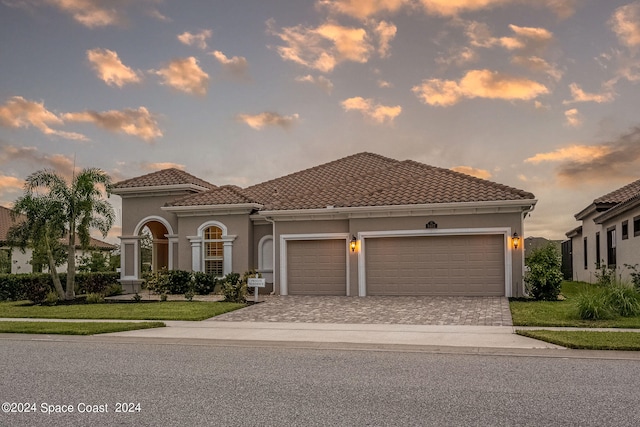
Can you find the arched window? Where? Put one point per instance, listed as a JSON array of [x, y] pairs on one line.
[[213, 251]]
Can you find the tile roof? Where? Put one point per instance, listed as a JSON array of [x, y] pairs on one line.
[[6, 222], [361, 180], [225, 195], [170, 176], [621, 194]]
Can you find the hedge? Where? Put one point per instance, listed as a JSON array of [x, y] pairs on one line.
[[15, 287]]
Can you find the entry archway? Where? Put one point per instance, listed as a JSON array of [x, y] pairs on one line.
[[154, 253]]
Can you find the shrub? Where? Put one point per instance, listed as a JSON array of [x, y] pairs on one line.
[[137, 297], [51, 298], [179, 281], [203, 283], [11, 288], [163, 297], [233, 289], [594, 306], [635, 276], [113, 289], [95, 298], [605, 276], [91, 283], [544, 277], [623, 300], [37, 288], [189, 295]]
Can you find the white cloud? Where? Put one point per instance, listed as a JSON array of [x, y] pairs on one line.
[[573, 117], [362, 9], [110, 69], [139, 123], [478, 84], [267, 118], [236, 65], [579, 95], [155, 166], [386, 32], [35, 159], [185, 75], [18, 112], [323, 47], [320, 81], [625, 22], [196, 39], [377, 112], [91, 13]]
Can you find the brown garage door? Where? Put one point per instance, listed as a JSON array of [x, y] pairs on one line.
[[435, 265], [316, 267]]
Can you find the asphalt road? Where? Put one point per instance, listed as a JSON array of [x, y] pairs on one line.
[[193, 385]]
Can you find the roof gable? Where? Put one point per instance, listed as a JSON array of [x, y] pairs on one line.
[[164, 177], [621, 194], [613, 201]]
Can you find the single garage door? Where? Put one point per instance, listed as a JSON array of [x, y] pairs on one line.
[[435, 265], [316, 267]]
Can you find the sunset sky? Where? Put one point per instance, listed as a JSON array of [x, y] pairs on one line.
[[542, 95]]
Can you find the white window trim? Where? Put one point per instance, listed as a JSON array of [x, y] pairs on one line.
[[197, 247], [261, 260], [285, 238], [504, 231]]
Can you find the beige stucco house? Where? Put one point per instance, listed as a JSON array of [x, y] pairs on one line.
[[609, 234], [361, 225]]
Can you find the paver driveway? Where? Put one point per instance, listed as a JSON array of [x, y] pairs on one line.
[[482, 311]]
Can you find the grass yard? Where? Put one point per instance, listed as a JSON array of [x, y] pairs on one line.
[[73, 328], [593, 340], [167, 310], [563, 313]]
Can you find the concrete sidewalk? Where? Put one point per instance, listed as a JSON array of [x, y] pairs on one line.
[[400, 335]]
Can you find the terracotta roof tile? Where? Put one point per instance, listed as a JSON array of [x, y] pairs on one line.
[[225, 195], [170, 176], [621, 194], [405, 183], [6, 222], [363, 179]]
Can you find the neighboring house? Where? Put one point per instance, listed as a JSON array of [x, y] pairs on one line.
[[533, 243], [20, 262], [361, 225], [609, 234], [12, 260]]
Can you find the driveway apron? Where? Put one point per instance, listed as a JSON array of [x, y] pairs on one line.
[[427, 310]]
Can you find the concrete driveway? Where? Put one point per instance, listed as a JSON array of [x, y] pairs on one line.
[[470, 311]]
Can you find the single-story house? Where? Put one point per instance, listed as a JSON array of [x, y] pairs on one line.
[[608, 235], [14, 261], [361, 225]]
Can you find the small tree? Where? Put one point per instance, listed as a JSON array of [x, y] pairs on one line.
[[75, 207], [42, 229], [544, 275]]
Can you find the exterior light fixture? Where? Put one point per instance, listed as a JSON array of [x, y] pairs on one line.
[[516, 240], [352, 245]]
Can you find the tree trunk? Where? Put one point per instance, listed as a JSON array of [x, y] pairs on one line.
[[71, 263], [54, 273]]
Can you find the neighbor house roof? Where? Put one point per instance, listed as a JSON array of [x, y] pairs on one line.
[[613, 203], [164, 177], [361, 180], [6, 222]]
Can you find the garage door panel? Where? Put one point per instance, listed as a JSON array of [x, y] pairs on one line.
[[435, 265], [316, 267]]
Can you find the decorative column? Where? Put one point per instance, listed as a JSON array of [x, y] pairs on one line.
[[196, 252]]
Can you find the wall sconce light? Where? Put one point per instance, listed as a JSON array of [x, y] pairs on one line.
[[516, 240], [352, 245]]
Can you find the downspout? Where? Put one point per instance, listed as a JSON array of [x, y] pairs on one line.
[[273, 261]]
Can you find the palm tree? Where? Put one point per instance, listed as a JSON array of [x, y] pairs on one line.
[[80, 208], [41, 228]]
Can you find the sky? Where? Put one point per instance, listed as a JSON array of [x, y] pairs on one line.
[[540, 95]]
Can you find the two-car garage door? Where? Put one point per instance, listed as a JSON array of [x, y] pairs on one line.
[[471, 265], [435, 265]]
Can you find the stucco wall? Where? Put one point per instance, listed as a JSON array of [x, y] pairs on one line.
[[627, 250]]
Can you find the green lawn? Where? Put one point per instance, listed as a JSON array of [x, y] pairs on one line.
[[563, 313], [593, 340], [168, 310], [73, 328]]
